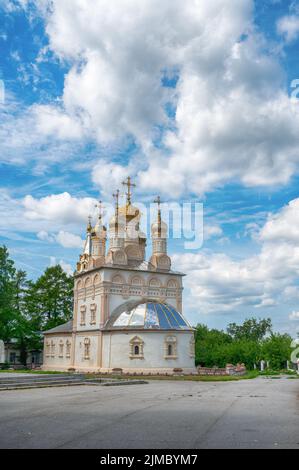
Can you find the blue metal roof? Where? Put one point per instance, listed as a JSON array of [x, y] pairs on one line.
[[150, 315]]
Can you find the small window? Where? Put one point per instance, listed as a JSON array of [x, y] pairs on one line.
[[93, 309], [136, 348], [170, 347], [87, 348], [68, 348], [61, 349], [83, 315]]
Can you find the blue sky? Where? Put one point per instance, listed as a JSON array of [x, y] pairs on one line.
[[193, 101]]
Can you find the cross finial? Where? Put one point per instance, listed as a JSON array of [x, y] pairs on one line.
[[129, 185], [116, 197], [89, 223], [158, 201], [101, 209]]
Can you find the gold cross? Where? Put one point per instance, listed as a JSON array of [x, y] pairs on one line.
[[116, 197], [158, 201], [101, 209], [89, 223], [129, 185]]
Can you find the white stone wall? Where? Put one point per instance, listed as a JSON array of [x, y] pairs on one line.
[[87, 294], [91, 361], [55, 360], [116, 351]]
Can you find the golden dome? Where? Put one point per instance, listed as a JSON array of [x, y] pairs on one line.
[[129, 212]]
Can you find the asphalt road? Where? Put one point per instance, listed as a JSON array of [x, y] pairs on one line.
[[260, 413]]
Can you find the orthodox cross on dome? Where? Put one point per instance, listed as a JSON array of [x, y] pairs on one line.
[[158, 202], [116, 197], [89, 227], [129, 185], [101, 209]]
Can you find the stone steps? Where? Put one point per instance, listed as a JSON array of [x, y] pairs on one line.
[[24, 383], [39, 378]]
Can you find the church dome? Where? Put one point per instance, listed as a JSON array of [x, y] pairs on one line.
[[149, 316], [129, 212], [99, 230], [159, 230]]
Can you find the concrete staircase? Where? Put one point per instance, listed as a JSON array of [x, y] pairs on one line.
[[59, 380]]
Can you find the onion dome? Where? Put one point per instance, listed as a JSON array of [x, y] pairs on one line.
[[100, 230], [159, 229]]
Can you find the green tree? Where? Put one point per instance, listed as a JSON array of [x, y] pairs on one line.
[[251, 329], [7, 290], [49, 300], [210, 346], [277, 350]]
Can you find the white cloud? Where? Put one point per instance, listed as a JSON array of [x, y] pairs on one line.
[[59, 207], [109, 176], [211, 231], [233, 119], [65, 266], [294, 315], [65, 239], [69, 240], [219, 283], [288, 26], [45, 237], [233, 122], [283, 226]]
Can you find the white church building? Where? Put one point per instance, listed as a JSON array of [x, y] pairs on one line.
[[127, 311]]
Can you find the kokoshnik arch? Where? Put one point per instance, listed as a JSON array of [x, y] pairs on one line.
[[127, 311]]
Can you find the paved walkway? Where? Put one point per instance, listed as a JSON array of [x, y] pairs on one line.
[[260, 413]]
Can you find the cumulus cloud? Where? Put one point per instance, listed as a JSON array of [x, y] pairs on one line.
[[232, 118], [65, 239], [288, 26], [284, 226], [211, 231], [56, 218], [65, 266], [219, 283], [45, 237], [294, 315], [62, 207], [69, 240], [108, 176], [233, 121]]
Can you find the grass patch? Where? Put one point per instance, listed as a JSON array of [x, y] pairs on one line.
[[277, 373]]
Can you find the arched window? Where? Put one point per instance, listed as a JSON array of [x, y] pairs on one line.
[[87, 348], [52, 348], [93, 309], [83, 315], [170, 347], [61, 348], [136, 348], [68, 348]]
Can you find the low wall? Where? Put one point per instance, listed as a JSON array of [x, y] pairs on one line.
[[230, 369]]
